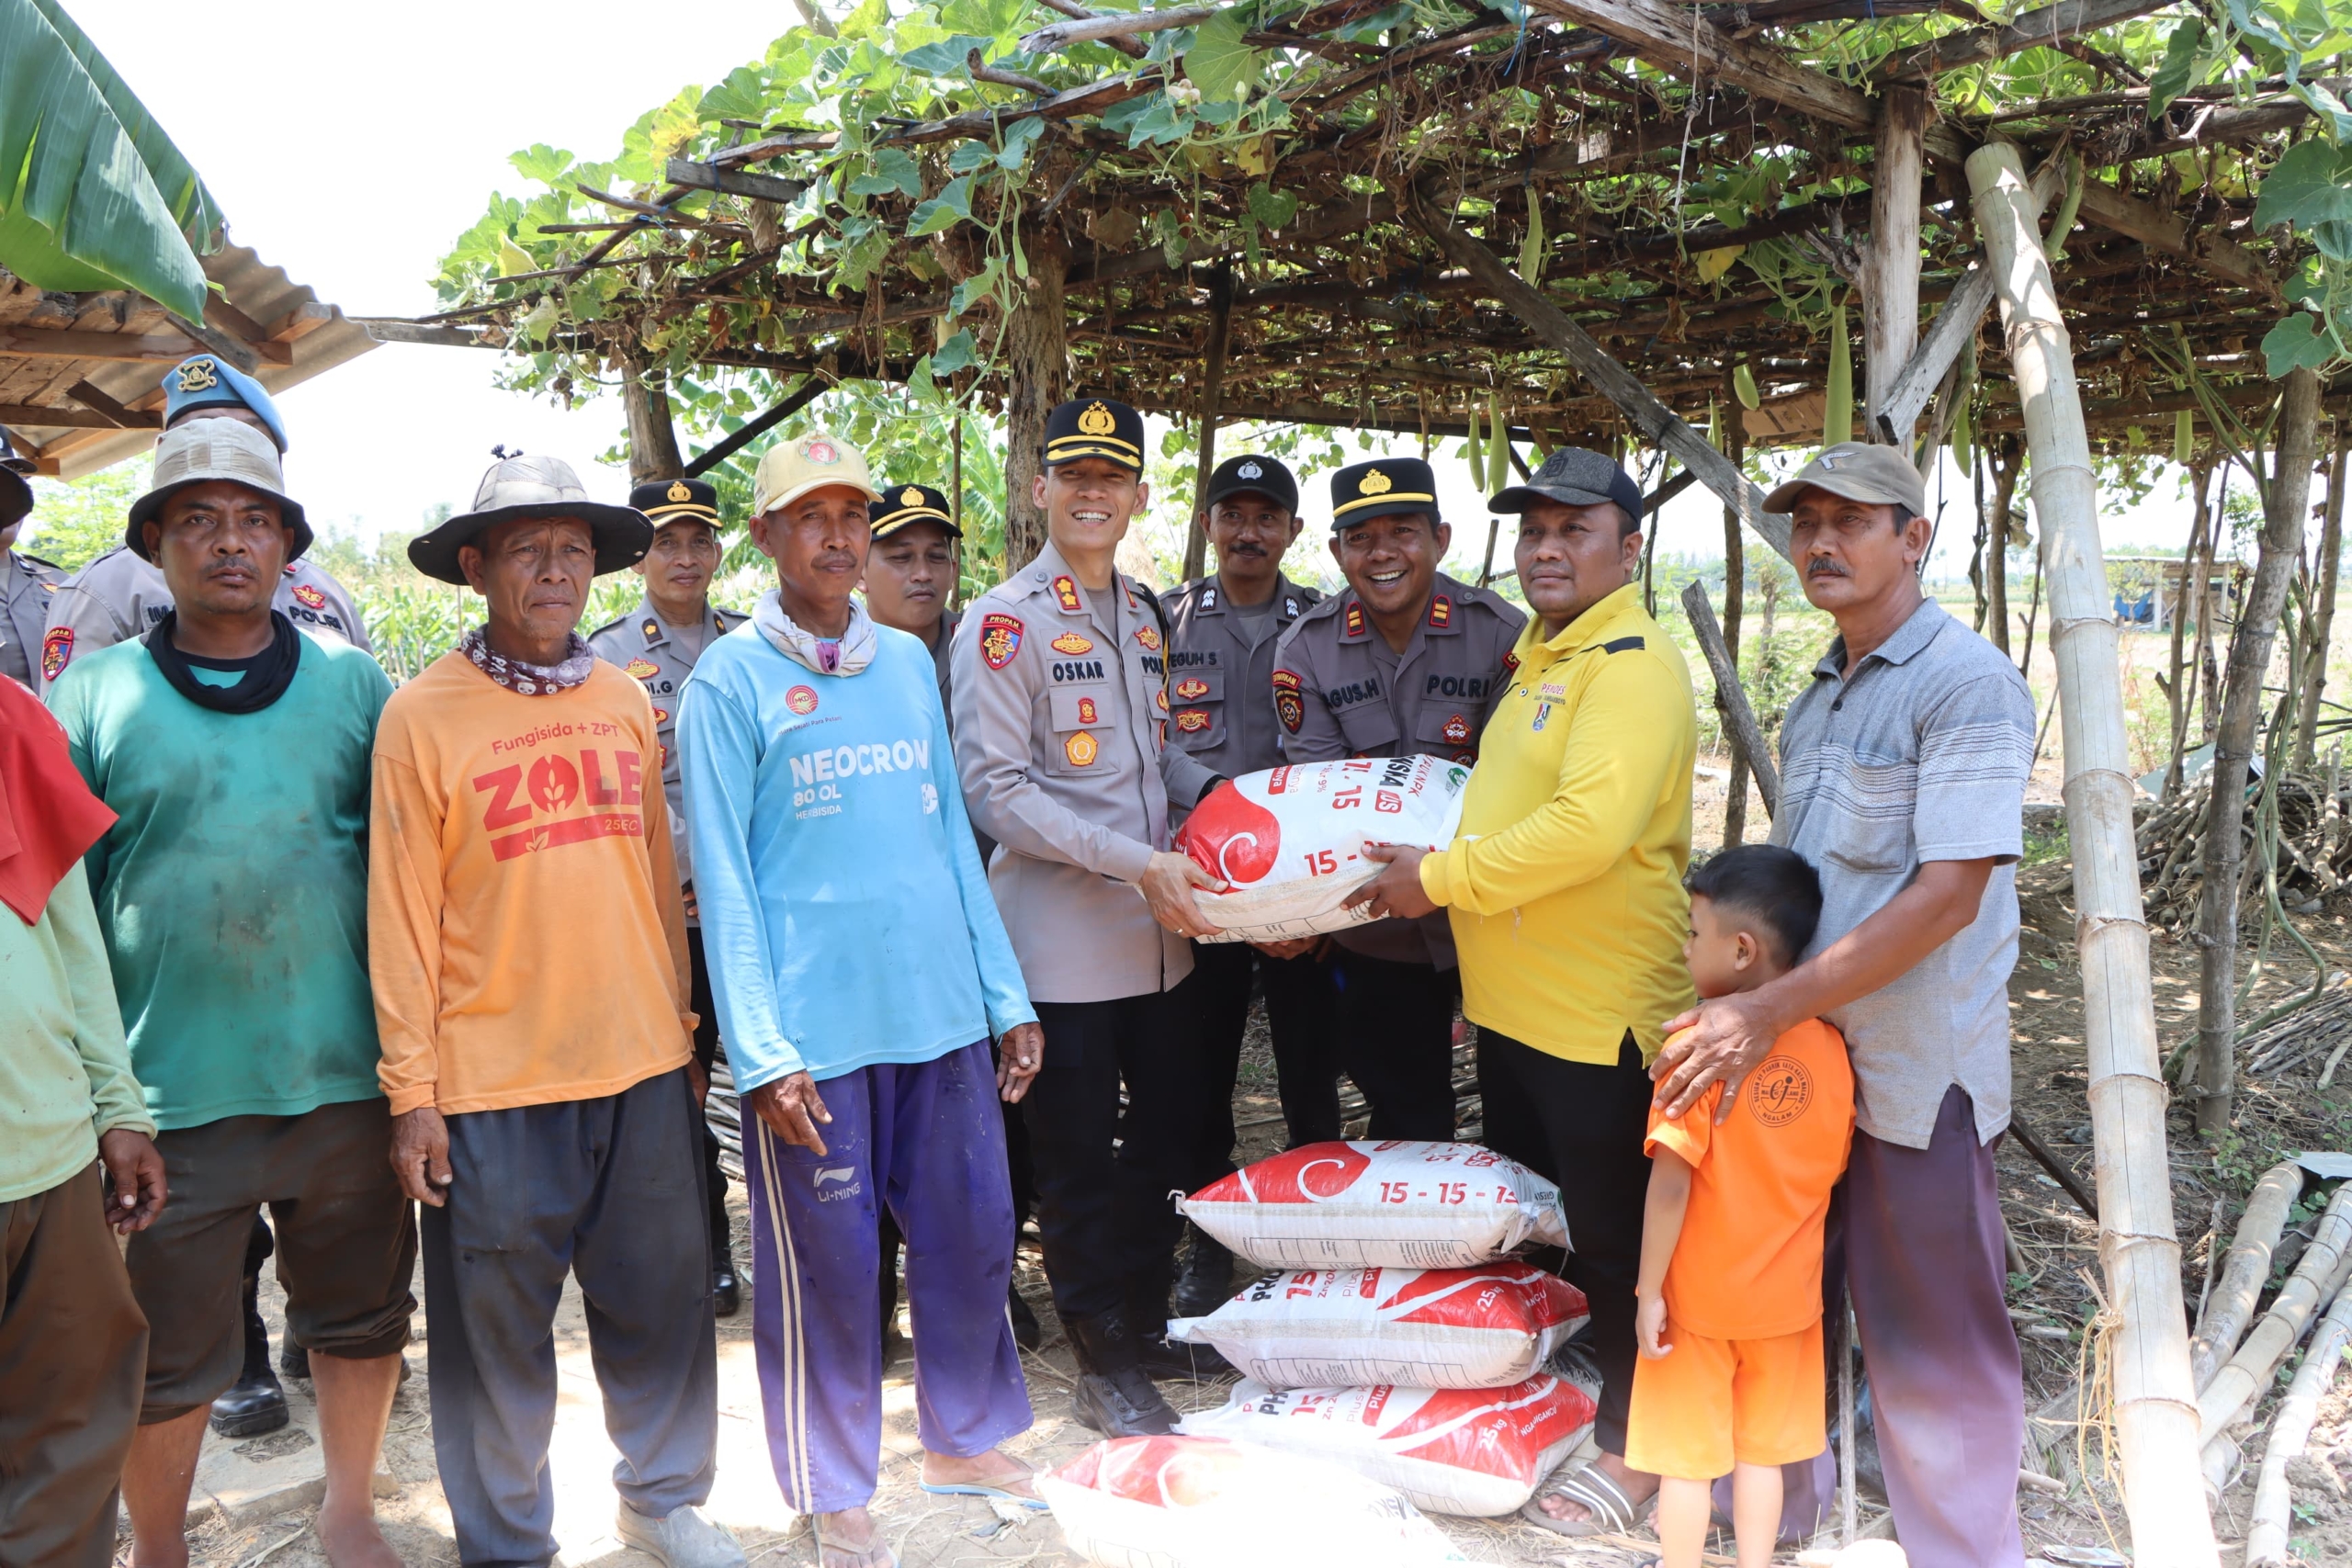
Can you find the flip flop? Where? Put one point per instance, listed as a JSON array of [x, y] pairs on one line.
[[890, 1557], [1612, 1512], [993, 1494]]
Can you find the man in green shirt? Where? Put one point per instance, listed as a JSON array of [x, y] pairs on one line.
[[232, 895], [72, 1339]]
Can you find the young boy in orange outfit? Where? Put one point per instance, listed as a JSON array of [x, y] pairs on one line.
[[1730, 1379]]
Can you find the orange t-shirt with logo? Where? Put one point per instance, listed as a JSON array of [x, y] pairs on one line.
[[526, 937], [1748, 1263]]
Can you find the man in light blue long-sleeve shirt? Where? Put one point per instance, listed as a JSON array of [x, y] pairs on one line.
[[860, 969]]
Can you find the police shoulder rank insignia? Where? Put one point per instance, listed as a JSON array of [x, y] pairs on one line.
[[1290, 609], [1355, 619], [1066, 594], [1071, 644], [1081, 748], [199, 375], [1193, 721], [1190, 689], [55, 649], [1149, 638], [643, 668], [1087, 713], [1000, 639], [1289, 706], [1457, 730], [1510, 661], [309, 597], [1441, 612], [652, 629]]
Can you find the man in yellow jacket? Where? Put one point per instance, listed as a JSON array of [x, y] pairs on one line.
[[1564, 894]]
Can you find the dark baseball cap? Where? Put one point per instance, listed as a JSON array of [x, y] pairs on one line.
[[1574, 476], [1253, 475]]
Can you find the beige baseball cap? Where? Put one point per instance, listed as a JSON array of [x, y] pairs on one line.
[[790, 469], [1878, 476]]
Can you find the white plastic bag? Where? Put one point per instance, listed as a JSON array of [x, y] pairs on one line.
[[1450, 1450], [1180, 1502], [1486, 1327], [1290, 841], [1398, 1204]]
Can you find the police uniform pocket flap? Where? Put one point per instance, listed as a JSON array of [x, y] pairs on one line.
[[1194, 687], [1367, 726], [1079, 707]]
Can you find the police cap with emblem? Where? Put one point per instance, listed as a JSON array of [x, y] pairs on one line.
[[517, 486], [205, 381], [1253, 475], [203, 450], [903, 505], [677, 500], [16, 495], [1574, 476], [1383, 488], [1095, 427]]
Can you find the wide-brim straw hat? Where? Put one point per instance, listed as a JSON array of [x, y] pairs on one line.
[[207, 449], [533, 487]]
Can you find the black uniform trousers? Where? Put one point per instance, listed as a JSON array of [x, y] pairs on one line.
[[1582, 1125], [1395, 1023], [1105, 1174], [705, 1053], [1306, 1055]]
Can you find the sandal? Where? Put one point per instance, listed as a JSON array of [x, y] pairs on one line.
[[994, 1490], [889, 1559], [1610, 1511]]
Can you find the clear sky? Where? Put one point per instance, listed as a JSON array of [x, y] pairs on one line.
[[350, 144]]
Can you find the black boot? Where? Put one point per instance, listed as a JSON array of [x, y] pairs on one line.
[[1205, 1281], [1113, 1395], [1026, 1331], [256, 1404], [1155, 1352], [725, 1290]]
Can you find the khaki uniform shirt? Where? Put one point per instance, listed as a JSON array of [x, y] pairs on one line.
[[1059, 706], [26, 585], [118, 596], [1339, 692], [1220, 683], [641, 645]]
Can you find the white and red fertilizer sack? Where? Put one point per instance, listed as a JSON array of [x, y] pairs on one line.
[[1290, 841], [1486, 1327], [1180, 1502], [1398, 1204], [1450, 1450]]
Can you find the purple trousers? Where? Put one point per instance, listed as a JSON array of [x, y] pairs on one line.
[[927, 1141], [1921, 1234]]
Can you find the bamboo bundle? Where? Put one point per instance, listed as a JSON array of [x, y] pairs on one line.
[[2155, 1402], [2266, 1538], [2323, 1026], [2231, 1306], [2319, 1275], [2314, 851]]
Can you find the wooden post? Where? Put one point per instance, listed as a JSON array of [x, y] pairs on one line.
[[1747, 735], [2156, 1404], [2322, 608], [1196, 543], [1891, 265], [653, 439], [955, 507], [1735, 593], [2004, 457], [2285, 506], [1036, 377]]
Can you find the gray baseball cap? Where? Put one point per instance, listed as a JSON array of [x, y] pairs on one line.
[[1574, 476], [215, 448], [1877, 476]]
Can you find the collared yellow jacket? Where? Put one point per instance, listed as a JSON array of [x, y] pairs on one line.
[[1564, 886]]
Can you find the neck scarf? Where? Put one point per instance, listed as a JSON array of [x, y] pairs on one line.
[[530, 680], [49, 818], [844, 655], [263, 684]]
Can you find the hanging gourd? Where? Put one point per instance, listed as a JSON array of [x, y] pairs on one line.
[[1743, 384], [2184, 437], [1530, 249], [1837, 416], [1470, 452], [1498, 449], [1963, 439]]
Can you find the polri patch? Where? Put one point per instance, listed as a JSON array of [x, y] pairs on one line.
[[1190, 689], [1081, 748], [1071, 643], [1087, 713], [1457, 731], [1000, 639], [1192, 721], [1290, 707], [309, 597], [1149, 638], [643, 668], [56, 648]]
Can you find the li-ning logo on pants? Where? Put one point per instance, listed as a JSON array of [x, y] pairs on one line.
[[843, 1176]]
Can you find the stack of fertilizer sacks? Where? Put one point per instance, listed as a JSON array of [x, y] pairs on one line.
[[1399, 1359]]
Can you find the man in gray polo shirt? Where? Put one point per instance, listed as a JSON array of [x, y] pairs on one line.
[[1902, 781]]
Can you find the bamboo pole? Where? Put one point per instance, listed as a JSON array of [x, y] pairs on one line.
[[2231, 1305], [2323, 609], [2319, 1274], [2155, 1405], [1735, 592], [1196, 542], [2266, 1537]]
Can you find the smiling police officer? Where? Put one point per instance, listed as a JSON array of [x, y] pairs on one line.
[[1406, 662]]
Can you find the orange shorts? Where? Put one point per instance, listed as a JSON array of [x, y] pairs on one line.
[[1713, 1402]]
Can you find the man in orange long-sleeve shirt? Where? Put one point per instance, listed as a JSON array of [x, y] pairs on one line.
[[528, 946]]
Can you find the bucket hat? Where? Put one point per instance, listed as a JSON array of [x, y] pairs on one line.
[[205, 449], [519, 486]]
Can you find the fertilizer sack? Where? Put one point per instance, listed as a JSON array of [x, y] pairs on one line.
[[1450, 1450], [1398, 1204], [1177, 1502], [1289, 841], [1485, 1327]]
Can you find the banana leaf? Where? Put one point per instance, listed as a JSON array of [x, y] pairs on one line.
[[94, 195]]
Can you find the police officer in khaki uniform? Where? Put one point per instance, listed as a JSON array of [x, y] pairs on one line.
[[119, 595], [658, 642], [1221, 635], [1061, 707], [25, 581], [1408, 661]]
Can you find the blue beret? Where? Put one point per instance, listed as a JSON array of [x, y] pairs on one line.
[[207, 381]]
